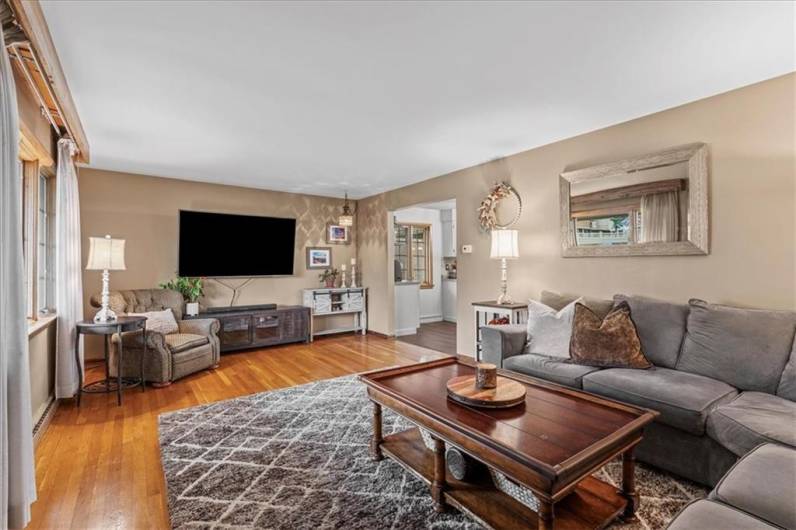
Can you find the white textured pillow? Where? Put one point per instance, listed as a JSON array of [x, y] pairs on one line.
[[159, 321], [549, 331]]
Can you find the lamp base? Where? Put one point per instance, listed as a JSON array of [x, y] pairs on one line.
[[505, 298], [104, 315]]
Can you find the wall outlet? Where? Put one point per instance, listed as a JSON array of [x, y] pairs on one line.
[[467, 249]]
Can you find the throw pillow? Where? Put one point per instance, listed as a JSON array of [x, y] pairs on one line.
[[159, 321], [611, 342], [549, 331]]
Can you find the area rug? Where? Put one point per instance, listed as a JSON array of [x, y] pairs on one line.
[[297, 458]]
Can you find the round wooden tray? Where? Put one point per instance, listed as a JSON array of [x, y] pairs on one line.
[[508, 393]]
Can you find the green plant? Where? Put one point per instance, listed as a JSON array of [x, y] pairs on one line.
[[191, 289], [329, 274]]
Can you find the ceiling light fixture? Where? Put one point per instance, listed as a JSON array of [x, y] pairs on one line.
[[347, 217]]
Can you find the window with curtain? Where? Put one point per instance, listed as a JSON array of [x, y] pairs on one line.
[[413, 253]]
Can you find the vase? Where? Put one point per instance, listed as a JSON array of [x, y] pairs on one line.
[[330, 283], [192, 309]]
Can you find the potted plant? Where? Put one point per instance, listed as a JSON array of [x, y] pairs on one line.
[[191, 290], [329, 276]]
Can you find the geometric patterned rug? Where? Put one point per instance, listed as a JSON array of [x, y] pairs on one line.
[[297, 458]]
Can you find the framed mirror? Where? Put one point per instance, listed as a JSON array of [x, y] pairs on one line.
[[651, 205]]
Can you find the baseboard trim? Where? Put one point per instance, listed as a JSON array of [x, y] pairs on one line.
[[378, 334], [41, 426], [450, 319], [431, 318], [405, 331]]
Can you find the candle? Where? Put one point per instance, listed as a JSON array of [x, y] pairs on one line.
[[353, 261], [342, 267], [485, 376]]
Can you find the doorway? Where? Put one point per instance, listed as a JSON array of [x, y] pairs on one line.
[[425, 274]]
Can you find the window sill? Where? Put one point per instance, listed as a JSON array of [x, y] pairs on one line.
[[35, 326]]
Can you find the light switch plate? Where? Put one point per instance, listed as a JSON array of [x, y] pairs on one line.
[[467, 249]]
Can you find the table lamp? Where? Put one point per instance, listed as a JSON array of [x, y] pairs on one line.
[[105, 254], [505, 246]]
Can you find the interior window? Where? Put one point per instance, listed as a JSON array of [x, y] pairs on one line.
[[38, 238], [413, 254], [45, 247]]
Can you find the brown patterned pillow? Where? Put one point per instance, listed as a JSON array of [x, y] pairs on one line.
[[611, 342]]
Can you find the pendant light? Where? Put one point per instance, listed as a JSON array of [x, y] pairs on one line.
[[346, 218]]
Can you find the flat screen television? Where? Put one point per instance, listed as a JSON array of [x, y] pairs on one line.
[[225, 245]]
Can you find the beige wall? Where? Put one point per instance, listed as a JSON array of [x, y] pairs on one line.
[[144, 210], [750, 137], [42, 369]]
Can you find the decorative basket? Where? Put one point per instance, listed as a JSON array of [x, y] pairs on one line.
[[502, 482]]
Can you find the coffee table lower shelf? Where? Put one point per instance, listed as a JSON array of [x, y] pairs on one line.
[[593, 504]]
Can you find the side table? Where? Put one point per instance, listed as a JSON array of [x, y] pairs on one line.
[[107, 330], [486, 311]]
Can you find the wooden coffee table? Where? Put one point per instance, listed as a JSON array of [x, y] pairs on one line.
[[551, 445]]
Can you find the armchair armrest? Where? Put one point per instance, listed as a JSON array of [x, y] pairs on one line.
[[501, 342], [200, 326], [135, 339]]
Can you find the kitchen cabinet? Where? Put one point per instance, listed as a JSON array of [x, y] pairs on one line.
[[448, 221]]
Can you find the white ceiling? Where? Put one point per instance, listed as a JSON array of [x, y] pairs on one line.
[[324, 97]]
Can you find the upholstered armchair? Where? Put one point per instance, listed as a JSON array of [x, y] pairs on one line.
[[194, 347]]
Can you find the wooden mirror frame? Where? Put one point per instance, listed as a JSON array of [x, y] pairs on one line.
[[697, 231]]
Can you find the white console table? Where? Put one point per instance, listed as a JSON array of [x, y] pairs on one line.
[[338, 301]]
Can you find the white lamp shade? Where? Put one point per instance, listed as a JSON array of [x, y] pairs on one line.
[[345, 220], [505, 244], [105, 253]]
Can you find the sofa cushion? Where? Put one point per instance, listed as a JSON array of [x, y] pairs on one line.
[[660, 325], [747, 348], [558, 301], [684, 400], [751, 419], [179, 342], [549, 331], [191, 361], [710, 515], [552, 369], [762, 483], [787, 382], [610, 342]]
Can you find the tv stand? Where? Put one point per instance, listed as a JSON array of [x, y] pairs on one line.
[[238, 308], [257, 326]]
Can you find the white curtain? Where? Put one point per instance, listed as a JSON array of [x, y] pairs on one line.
[[68, 273], [18, 481], [660, 217]]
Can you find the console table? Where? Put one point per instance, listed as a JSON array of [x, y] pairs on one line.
[[338, 301], [252, 327]]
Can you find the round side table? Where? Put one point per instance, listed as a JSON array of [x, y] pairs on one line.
[[108, 329]]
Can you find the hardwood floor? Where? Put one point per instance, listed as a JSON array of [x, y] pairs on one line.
[[440, 336], [99, 466]]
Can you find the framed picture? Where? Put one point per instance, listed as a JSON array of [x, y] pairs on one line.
[[337, 234], [319, 257]]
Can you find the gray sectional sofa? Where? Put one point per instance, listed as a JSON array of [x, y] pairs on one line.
[[756, 494], [724, 379]]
